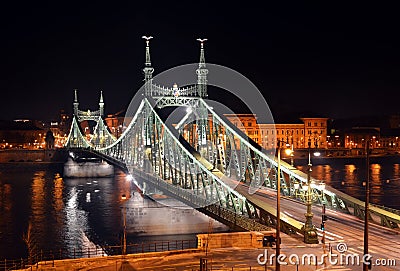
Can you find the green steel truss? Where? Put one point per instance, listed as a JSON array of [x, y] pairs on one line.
[[202, 159]]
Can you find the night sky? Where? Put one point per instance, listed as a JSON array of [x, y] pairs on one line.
[[336, 60]]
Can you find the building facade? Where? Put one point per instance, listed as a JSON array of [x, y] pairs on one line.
[[313, 130]]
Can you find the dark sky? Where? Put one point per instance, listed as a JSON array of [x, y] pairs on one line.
[[334, 59]]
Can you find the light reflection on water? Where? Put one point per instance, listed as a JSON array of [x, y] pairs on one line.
[[349, 174], [58, 209], [70, 214], [65, 214]]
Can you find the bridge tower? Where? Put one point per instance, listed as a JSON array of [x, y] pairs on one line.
[[202, 120], [101, 135], [88, 115], [187, 96]]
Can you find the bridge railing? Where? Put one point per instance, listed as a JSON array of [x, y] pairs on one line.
[[334, 198], [45, 257]]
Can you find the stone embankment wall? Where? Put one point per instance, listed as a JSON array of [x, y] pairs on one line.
[[250, 239], [19, 156]]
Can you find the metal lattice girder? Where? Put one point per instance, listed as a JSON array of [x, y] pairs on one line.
[[161, 91], [75, 137], [88, 115], [163, 101], [154, 149], [336, 199], [101, 135], [178, 159]]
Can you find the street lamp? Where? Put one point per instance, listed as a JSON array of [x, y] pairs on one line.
[[366, 209], [291, 156], [123, 198], [310, 232], [322, 189], [278, 205]]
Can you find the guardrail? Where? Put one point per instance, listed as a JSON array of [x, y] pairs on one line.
[[60, 254]]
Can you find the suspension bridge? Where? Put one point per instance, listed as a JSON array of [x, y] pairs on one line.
[[205, 161]]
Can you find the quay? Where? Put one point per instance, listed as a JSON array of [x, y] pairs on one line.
[[242, 255], [40, 155]]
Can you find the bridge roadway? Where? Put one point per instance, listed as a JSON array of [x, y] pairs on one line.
[[340, 228], [347, 228], [384, 242]]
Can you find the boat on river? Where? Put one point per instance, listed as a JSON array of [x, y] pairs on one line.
[[87, 168]]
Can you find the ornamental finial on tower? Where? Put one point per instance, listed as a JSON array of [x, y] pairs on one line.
[[148, 69], [75, 95], [101, 104], [147, 38], [202, 62], [202, 72], [101, 96], [76, 104]]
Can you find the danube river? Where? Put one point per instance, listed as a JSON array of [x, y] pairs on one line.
[[349, 175], [80, 213]]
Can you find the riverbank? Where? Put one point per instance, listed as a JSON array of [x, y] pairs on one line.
[[337, 154], [33, 156], [236, 257]]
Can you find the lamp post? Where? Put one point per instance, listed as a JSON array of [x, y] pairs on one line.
[[366, 210], [310, 232], [278, 208], [123, 198], [322, 188], [278, 211], [292, 156]]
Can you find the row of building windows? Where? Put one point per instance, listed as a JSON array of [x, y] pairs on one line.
[[316, 124], [310, 132]]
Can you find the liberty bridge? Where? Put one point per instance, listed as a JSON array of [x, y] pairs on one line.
[[206, 162]]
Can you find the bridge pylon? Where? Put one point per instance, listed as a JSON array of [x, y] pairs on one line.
[[101, 136]]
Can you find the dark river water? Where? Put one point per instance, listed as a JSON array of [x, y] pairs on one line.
[[79, 213], [349, 174]]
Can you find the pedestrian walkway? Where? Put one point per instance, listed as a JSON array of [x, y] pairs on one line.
[[217, 259]]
